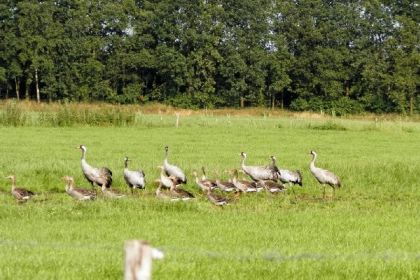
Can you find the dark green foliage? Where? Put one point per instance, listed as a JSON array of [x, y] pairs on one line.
[[339, 57]]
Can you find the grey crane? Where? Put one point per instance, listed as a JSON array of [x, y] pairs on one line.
[[21, 194], [77, 193], [99, 176], [258, 172], [287, 176], [173, 170], [323, 176], [133, 178]]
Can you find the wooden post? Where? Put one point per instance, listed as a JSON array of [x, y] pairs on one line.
[[138, 260], [177, 120]]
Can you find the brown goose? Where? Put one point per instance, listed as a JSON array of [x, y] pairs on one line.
[[217, 200], [20, 194], [112, 193], [162, 194], [323, 176], [243, 185], [77, 193], [99, 176], [271, 186], [164, 180], [204, 184], [177, 193]]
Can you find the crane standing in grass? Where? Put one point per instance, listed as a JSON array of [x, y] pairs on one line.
[[258, 172], [99, 176], [133, 178], [173, 170], [287, 176], [323, 176]]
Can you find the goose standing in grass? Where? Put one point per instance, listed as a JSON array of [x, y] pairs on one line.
[[112, 193], [77, 193], [204, 177], [226, 186], [242, 185], [271, 186], [177, 193], [21, 194], [203, 184], [164, 180], [287, 176], [99, 176], [323, 176], [258, 172], [173, 170], [133, 178], [162, 194], [216, 199]]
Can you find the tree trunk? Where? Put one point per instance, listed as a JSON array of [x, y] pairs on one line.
[[38, 97], [17, 89], [242, 102]]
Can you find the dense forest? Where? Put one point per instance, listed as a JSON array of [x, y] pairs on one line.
[[341, 56]]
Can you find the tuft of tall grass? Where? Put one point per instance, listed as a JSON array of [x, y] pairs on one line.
[[67, 116], [13, 115], [329, 125]]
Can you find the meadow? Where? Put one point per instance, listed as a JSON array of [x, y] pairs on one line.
[[370, 230]]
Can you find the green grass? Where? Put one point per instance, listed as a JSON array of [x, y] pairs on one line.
[[370, 231]]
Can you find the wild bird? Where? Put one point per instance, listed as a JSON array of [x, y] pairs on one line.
[[162, 194], [323, 176], [203, 183], [177, 193], [258, 172], [173, 170], [287, 176], [164, 180], [243, 185], [204, 177], [216, 199], [112, 193], [21, 194], [77, 193], [133, 178], [271, 186], [99, 176]]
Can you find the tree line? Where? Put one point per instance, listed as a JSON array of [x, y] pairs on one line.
[[341, 56]]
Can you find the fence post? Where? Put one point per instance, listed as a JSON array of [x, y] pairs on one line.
[[138, 260], [177, 120]]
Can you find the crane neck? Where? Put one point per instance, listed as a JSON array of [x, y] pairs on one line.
[[312, 165], [125, 163], [83, 154]]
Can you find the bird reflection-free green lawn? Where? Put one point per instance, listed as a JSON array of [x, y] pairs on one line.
[[370, 230]]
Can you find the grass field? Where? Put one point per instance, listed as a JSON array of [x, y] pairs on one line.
[[371, 230]]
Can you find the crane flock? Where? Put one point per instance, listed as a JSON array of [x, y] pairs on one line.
[[270, 178]]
